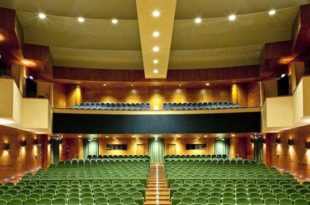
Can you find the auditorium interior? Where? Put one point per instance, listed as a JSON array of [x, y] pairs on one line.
[[155, 102]]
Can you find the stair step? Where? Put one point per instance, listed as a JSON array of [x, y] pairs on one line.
[[155, 203], [154, 197], [163, 196]]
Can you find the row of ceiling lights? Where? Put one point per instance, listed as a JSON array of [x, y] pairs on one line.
[[198, 20], [79, 19], [233, 17], [156, 34], [156, 14]]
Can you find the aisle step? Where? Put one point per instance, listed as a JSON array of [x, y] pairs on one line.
[[157, 192]]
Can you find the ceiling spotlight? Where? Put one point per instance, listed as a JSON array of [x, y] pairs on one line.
[[156, 34], [155, 71], [272, 12], [232, 17], [156, 13], [207, 84], [155, 61], [81, 19], [114, 21], [198, 20], [42, 15], [283, 75], [155, 49]]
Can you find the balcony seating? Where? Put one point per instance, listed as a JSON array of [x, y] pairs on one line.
[[200, 106], [112, 106]]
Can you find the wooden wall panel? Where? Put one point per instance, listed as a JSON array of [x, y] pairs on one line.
[[83, 74], [59, 96], [295, 159], [70, 148], [180, 144], [249, 148], [254, 94], [17, 161], [75, 94], [238, 147], [132, 144]]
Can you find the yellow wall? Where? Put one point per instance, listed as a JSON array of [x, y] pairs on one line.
[[306, 96], [36, 113], [10, 101], [298, 99], [6, 98], [280, 112]]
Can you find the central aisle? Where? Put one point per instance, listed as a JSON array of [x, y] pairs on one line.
[[157, 192]]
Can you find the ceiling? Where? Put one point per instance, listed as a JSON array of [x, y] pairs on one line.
[[97, 43]]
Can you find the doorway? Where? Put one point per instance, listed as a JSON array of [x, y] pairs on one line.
[[156, 150]]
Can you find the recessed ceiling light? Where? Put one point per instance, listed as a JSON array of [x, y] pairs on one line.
[[155, 71], [198, 20], [156, 13], [283, 75], [232, 17], [114, 21], [155, 49], [42, 15], [155, 61], [207, 84], [156, 34], [272, 12], [81, 19]]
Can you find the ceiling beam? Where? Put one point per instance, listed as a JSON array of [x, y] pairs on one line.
[[148, 24]]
